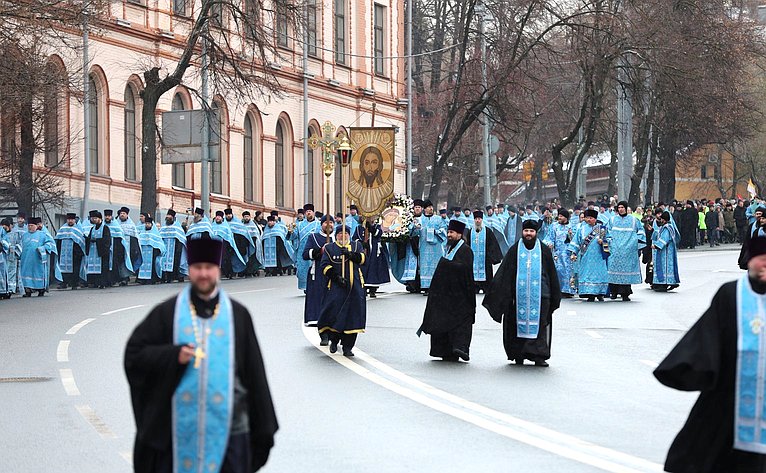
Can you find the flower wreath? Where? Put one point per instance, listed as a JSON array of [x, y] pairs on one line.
[[404, 204]]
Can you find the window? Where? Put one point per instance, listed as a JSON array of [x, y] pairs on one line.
[[179, 170], [380, 16], [703, 172], [311, 27], [130, 135], [248, 159], [93, 128], [216, 159], [283, 33], [279, 166], [252, 23], [179, 7], [51, 125], [216, 14], [340, 31]]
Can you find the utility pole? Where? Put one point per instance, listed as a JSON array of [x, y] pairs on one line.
[[480, 10], [408, 138], [86, 110], [306, 158], [205, 165], [624, 131]]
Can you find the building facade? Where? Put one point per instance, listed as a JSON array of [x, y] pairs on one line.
[[356, 76]]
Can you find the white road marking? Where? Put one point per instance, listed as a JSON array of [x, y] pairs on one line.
[[123, 309], [728, 271], [650, 363], [248, 292], [594, 334], [62, 352], [77, 327], [571, 312], [95, 421], [67, 379], [494, 421], [128, 457]]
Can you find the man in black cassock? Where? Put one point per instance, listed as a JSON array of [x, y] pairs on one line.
[[344, 307], [527, 294], [451, 307], [485, 245], [722, 356], [98, 247], [199, 346], [760, 219], [316, 282]]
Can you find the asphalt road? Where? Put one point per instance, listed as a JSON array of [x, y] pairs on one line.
[[391, 408]]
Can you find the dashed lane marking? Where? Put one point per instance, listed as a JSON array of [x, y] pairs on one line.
[[253, 290], [651, 364], [127, 456], [62, 352], [494, 421], [77, 327], [122, 310], [595, 335], [67, 380], [95, 421]]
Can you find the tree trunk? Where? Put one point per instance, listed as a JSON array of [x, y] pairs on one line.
[[668, 175], [437, 174], [150, 96], [26, 189], [611, 187], [648, 197]]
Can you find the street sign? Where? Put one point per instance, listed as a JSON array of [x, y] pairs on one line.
[[182, 136], [494, 144]]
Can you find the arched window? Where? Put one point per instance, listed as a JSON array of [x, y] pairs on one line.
[[248, 159], [216, 144], [279, 166], [51, 122], [130, 134], [315, 160], [179, 170], [93, 127]]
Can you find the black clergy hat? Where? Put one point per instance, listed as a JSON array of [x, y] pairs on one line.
[[219, 213], [757, 245], [353, 207], [21, 215], [529, 224], [564, 213], [271, 218], [443, 212], [427, 203], [624, 203], [511, 208], [327, 218], [301, 212], [343, 228], [456, 226], [35, 221], [666, 216], [123, 209], [171, 212], [761, 209], [204, 250], [6, 221], [71, 215], [108, 212], [417, 203], [246, 213], [148, 219], [94, 213], [308, 207], [591, 213], [500, 206], [488, 207], [199, 211], [228, 211], [478, 214], [274, 213]]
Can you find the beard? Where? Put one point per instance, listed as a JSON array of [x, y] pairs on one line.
[[204, 287]]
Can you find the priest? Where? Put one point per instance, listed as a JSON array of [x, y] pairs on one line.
[[523, 297], [198, 386], [173, 262], [589, 246], [303, 229], [723, 357], [254, 263], [486, 251], [278, 253], [451, 307], [200, 227], [152, 250], [5, 248], [121, 264], [316, 282], [376, 271], [626, 238], [665, 240], [130, 233], [431, 233], [557, 238], [15, 236], [243, 241], [36, 248], [98, 251], [71, 249]]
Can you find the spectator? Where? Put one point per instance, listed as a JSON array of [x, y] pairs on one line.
[[729, 224], [701, 224], [711, 223], [740, 219]]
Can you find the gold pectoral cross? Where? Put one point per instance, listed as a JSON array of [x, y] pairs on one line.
[[199, 354]]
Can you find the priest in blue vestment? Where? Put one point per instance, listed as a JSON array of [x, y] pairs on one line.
[[523, 297], [198, 386], [626, 238], [316, 281], [152, 249], [5, 247], [121, 265], [70, 241], [15, 236], [200, 227], [222, 231], [497, 226], [587, 248], [486, 252], [665, 254], [130, 233], [98, 251], [451, 307], [432, 235], [512, 224], [404, 254], [310, 224], [278, 254], [37, 246], [557, 239], [245, 245], [723, 356], [376, 270], [343, 313], [173, 262], [255, 262]]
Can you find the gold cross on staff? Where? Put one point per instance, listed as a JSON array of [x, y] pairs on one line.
[[199, 354]]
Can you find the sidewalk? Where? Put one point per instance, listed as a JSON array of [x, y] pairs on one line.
[[706, 247]]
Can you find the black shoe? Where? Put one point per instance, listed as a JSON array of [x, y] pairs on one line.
[[600, 298], [519, 361], [373, 295], [27, 294], [41, 294], [325, 340], [348, 353], [542, 363], [460, 353], [612, 296], [450, 358], [334, 346], [590, 299], [625, 298]]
